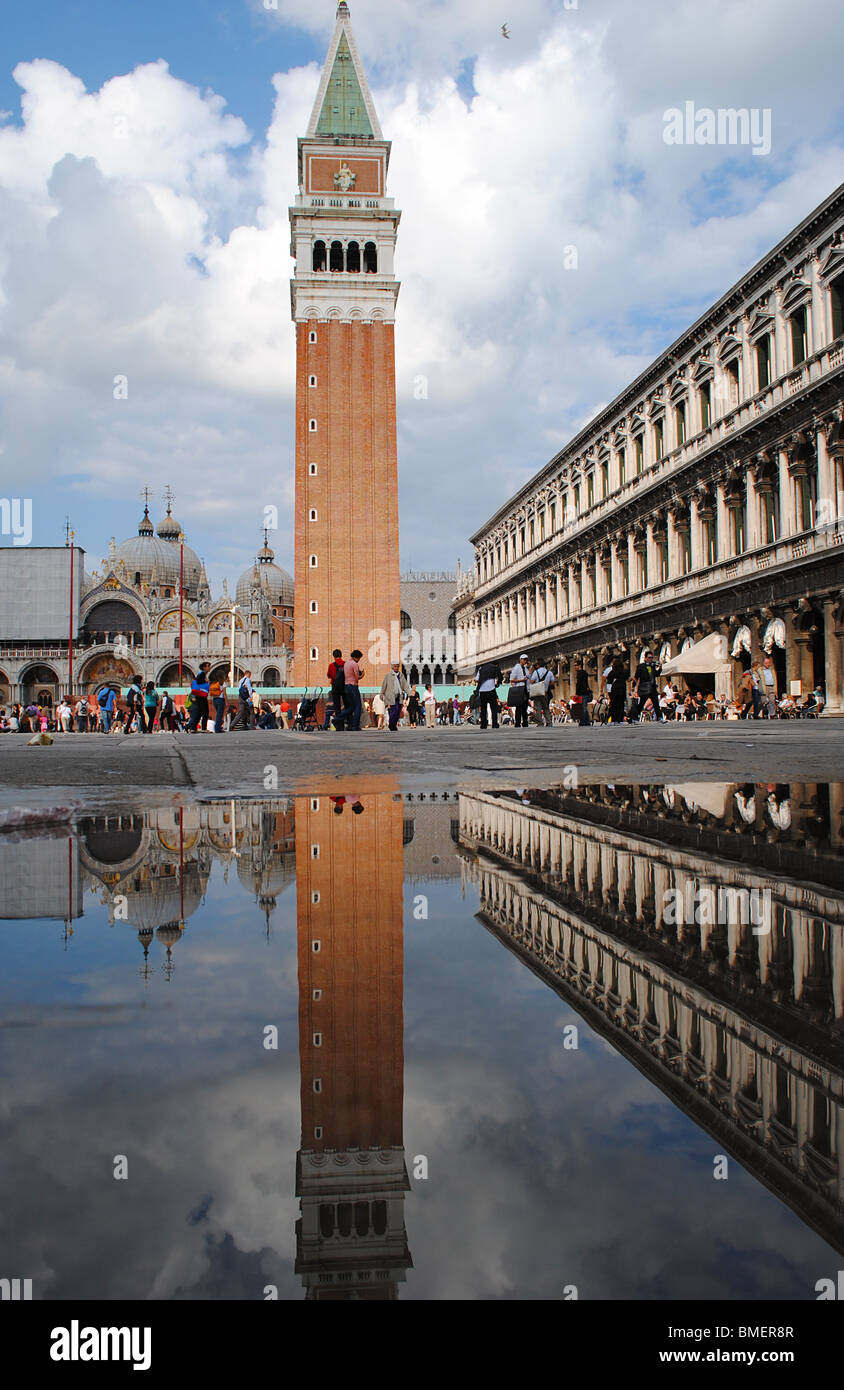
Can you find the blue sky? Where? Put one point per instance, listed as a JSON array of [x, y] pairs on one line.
[[228, 48], [166, 257]]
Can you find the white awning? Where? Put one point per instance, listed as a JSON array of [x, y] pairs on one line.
[[710, 655], [709, 796]]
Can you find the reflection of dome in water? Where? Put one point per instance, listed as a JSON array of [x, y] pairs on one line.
[[266, 574], [159, 900], [168, 935], [265, 880], [156, 560]]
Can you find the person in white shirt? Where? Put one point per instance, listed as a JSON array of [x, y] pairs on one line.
[[768, 688], [518, 694], [429, 700], [244, 717], [487, 681], [541, 676]]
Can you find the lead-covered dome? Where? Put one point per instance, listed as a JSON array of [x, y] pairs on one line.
[[147, 559], [265, 574]]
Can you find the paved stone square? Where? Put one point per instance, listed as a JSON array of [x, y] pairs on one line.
[[251, 764]]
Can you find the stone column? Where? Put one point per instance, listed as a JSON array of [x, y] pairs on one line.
[[653, 557], [753, 539], [723, 514], [827, 508], [674, 566], [795, 653], [787, 515], [696, 534], [834, 657], [615, 570]]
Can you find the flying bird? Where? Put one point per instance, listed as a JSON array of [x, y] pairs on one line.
[[505, 30]]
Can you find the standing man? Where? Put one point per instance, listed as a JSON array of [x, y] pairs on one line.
[[107, 701], [645, 681], [200, 686], [243, 718], [518, 693], [487, 678], [134, 704], [82, 715], [540, 683], [581, 689], [393, 687], [166, 715], [337, 677], [353, 675], [768, 689]]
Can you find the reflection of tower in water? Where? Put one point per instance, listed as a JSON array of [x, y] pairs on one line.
[[350, 1171]]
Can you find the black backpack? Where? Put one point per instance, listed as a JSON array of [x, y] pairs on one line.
[[102, 698], [243, 692]]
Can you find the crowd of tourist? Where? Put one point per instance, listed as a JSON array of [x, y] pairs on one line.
[[527, 702]]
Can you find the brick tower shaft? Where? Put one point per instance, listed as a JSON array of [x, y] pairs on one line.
[[343, 298]]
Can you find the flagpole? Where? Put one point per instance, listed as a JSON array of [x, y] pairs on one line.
[[181, 600], [70, 540]]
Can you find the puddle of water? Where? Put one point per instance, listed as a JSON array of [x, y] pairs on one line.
[[428, 1046]]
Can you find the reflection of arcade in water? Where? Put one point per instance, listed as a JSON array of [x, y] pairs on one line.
[[737, 1015]]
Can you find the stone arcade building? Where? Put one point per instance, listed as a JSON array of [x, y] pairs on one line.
[[707, 497]]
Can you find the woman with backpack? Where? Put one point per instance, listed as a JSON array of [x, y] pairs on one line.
[[134, 705], [217, 694], [167, 713], [150, 707]]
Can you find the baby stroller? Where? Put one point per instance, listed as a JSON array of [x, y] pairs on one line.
[[306, 715]]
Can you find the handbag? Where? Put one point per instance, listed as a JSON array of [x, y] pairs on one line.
[[537, 688], [517, 695]]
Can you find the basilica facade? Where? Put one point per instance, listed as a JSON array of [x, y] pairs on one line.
[[127, 616]]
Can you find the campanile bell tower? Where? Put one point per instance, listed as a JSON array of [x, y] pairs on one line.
[[343, 298]]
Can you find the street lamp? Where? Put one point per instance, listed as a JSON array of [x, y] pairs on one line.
[[181, 600]]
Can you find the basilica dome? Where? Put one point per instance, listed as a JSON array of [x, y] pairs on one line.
[[267, 575], [147, 559]]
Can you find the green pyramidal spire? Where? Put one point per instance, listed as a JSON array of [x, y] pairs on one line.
[[343, 105], [343, 108]]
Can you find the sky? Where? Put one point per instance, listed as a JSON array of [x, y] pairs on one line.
[[551, 245]]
